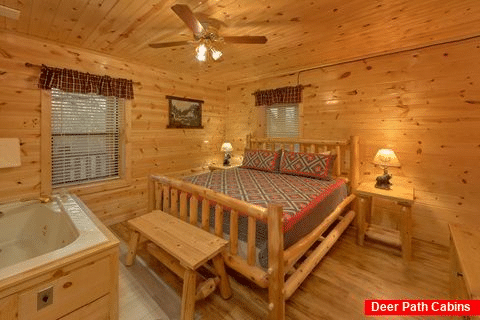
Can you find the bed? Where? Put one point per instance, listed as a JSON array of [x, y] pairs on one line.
[[283, 238]]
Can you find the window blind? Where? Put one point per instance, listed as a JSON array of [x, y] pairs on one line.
[[85, 137], [282, 121]]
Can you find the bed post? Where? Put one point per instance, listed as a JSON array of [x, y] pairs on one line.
[[276, 274], [354, 162], [354, 172], [151, 194], [249, 141]]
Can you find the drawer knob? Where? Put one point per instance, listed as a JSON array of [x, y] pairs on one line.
[[459, 274], [67, 285]]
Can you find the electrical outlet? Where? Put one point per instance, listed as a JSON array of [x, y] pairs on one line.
[[44, 298]]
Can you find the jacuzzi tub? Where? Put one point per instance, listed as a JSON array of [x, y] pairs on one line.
[[34, 233]]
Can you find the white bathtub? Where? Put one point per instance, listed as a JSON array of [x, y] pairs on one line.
[[33, 233]]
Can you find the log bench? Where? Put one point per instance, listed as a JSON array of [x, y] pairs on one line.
[[183, 248]]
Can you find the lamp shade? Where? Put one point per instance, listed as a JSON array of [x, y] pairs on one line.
[[226, 147], [386, 158]]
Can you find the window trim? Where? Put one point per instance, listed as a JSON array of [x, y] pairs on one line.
[[125, 176]]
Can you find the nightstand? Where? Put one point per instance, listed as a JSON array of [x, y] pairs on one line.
[[214, 167], [403, 195]]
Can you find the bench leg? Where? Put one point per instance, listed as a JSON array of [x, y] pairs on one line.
[[132, 248], [225, 290], [188, 295]]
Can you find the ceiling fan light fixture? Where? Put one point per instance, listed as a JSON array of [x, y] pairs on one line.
[[216, 54], [201, 58], [201, 52], [205, 34]]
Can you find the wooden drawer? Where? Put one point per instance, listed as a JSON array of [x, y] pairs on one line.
[[96, 310], [70, 292], [9, 307]]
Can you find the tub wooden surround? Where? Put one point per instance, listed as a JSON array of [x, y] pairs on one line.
[[83, 285]]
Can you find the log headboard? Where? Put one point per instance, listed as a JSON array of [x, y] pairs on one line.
[[347, 163]]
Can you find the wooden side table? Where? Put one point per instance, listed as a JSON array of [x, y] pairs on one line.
[[214, 167], [183, 248], [400, 193]]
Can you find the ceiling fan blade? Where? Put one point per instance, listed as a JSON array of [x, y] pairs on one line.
[[184, 13], [9, 12], [246, 39], [168, 44]]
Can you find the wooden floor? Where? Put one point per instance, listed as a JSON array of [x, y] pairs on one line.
[[336, 289], [134, 300], [143, 295]]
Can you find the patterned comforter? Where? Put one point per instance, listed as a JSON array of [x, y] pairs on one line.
[[306, 201]]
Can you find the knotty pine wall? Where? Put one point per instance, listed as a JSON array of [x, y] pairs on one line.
[[154, 149], [423, 103]]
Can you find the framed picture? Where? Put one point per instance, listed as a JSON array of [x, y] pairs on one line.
[[184, 113]]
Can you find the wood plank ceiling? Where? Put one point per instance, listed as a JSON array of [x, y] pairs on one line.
[[300, 33]]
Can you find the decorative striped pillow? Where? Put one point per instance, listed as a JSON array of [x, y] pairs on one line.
[[313, 165], [261, 160]]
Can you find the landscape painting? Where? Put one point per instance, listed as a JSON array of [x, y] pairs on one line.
[[184, 113]]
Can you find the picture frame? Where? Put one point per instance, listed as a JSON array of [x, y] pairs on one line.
[[184, 113]]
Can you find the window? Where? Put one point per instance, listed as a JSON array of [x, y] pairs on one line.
[[86, 137], [282, 121]]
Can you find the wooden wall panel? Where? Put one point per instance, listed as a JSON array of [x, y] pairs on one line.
[[155, 149], [424, 103]]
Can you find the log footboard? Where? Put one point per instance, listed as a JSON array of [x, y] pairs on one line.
[[182, 200]]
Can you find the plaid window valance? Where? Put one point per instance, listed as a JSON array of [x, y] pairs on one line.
[[79, 82], [279, 95]]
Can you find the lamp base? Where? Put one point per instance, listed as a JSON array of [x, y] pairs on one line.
[[226, 160], [383, 182]]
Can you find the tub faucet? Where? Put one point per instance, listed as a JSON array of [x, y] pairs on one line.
[[45, 199], [58, 200]]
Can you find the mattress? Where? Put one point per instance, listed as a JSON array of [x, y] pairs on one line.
[[306, 201]]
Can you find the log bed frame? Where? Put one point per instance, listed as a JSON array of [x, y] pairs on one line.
[[284, 274]]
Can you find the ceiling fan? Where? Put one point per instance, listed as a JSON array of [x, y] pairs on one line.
[[206, 36]]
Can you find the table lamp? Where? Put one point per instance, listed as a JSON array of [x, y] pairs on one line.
[[385, 158], [227, 148]]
